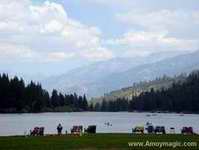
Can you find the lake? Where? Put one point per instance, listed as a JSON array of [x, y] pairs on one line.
[[122, 122]]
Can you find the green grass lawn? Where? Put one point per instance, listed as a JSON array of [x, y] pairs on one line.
[[90, 142]]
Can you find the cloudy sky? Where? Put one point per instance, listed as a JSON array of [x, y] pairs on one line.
[[53, 36]]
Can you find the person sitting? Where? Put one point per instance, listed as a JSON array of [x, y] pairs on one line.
[[59, 129]]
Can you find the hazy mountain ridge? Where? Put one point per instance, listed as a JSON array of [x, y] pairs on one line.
[[104, 77], [79, 80], [171, 66]]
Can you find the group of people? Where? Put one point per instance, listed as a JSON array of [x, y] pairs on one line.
[[77, 129]]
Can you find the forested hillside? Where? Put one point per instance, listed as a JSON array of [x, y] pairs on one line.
[[15, 96], [180, 97], [140, 87]]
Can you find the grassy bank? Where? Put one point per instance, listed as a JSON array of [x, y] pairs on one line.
[[90, 142]]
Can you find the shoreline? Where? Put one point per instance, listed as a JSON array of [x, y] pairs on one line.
[[158, 112]]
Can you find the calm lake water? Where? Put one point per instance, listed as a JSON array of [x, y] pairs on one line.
[[122, 122]]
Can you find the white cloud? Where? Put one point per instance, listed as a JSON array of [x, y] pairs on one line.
[[129, 5], [110, 2], [52, 27], [11, 51], [177, 23], [58, 56], [45, 30], [99, 54], [81, 36], [162, 30], [142, 43]]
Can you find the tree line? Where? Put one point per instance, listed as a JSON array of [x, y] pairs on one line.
[[15, 96], [180, 97]]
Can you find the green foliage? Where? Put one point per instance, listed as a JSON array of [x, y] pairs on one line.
[[16, 97], [179, 97]]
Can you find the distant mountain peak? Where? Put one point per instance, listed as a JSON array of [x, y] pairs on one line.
[[103, 77]]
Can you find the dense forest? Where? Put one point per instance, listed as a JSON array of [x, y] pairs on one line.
[[15, 96], [180, 97]]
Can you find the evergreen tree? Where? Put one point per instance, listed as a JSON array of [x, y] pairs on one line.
[[55, 99], [85, 103], [91, 107]]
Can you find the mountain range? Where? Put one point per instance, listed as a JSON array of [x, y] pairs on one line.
[[103, 77]]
